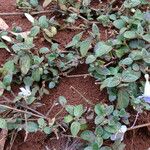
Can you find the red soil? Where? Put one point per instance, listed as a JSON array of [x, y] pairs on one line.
[[134, 140]]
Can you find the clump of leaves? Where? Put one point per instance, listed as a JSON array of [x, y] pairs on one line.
[[107, 122], [119, 62]]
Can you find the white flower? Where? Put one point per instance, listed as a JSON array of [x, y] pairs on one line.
[[133, 10], [147, 86], [146, 95], [120, 134], [25, 92]]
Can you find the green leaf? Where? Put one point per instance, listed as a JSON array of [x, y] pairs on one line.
[[68, 119], [90, 59], [7, 79], [146, 37], [146, 55], [99, 131], [41, 122], [84, 47], [51, 85], [105, 148], [38, 60], [99, 109], [111, 129], [130, 34], [126, 61], [95, 30], [99, 119], [119, 23], [31, 127], [121, 51], [129, 76], [104, 19], [47, 130], [22, 46], [106, 135], [88, 148], [62, 100], [30, 100], [34, 31], [75, 40], [123, 98], [135, 67], [131, 3], [25, 63], [34, 3], [99, 141], [118, 145], [3, 45], [101, 49], [36, 74], [140, 29], [111, 82], [95, 146], [28, 81], [44, 50], [70, 109], [51, 57], [88, 135], [136, 55], [109, 109], [3, 123], [78, 110], [136, 44], [43, 22], [9, 66], [75, 128]]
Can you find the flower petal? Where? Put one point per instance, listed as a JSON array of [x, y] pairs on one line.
[[117, 136], [146, 99]]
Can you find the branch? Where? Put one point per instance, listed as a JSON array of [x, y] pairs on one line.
[[22, 13], [139, 126], [85, 99], [22, 111]]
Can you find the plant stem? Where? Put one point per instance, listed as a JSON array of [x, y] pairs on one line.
[[32, 110], [22, 13], [7, 99], [22, 111], [78, 75], [111, 62], [87, 21], [59, 112], [137, 115], [70, 136], [53, 105], [86, 100], [139, 126]]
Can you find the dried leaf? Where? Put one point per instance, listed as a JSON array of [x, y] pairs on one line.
[[22, 34], [46, 3], [3, 25], [3, 135], [6, 38], [1, 91], [29, 17]]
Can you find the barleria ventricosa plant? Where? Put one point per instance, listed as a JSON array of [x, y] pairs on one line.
[[118, 64]]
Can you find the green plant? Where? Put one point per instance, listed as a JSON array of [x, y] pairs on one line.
[[117, 64]]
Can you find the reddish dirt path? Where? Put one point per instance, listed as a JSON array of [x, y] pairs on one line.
[[134, 140]]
